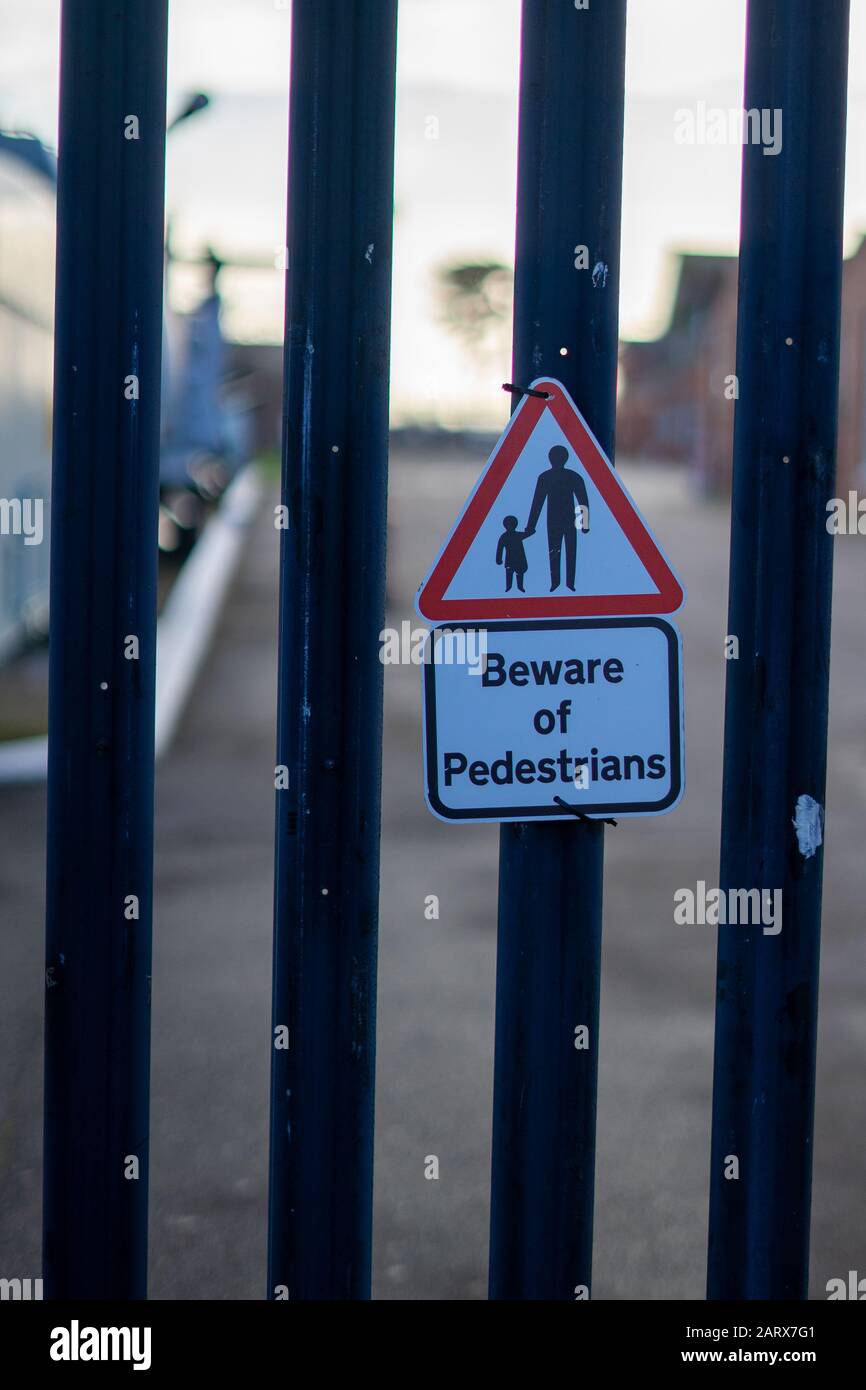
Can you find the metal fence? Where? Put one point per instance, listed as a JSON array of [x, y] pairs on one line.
[[107, 370]]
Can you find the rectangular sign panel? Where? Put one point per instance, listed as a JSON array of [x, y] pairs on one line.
[[536, 721]]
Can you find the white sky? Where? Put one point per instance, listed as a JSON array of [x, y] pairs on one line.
[[454, 195]]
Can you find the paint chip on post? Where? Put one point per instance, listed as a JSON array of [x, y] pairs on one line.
[[808, 823]]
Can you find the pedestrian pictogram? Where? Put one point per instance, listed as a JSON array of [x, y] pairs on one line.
[[550, 531]]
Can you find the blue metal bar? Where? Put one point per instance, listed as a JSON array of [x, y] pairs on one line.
[[103, 594], [332, 598], [550, 881], [780, 590]]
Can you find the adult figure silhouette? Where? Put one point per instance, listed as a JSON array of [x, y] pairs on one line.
[[560, 488]]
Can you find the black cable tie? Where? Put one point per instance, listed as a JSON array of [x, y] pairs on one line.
[[579, 815], [524, 390]]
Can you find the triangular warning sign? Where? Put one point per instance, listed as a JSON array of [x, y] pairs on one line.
[[550, 531]]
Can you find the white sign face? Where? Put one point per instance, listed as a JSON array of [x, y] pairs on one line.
[[581, 718]]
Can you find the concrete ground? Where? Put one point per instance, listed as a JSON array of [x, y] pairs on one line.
[[435, 1034]]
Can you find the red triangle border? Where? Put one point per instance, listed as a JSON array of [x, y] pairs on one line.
[[669, 596]]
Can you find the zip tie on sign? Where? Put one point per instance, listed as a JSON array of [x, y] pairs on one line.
[[579, 815], [524, 390]]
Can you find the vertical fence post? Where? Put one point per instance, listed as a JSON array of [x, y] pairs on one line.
[[569, 189], [780, 591], [103, 641], [332, 596]]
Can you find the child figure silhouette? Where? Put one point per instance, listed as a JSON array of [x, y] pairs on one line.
[[510, 550]]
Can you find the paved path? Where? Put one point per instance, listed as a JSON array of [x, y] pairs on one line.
[[212, 966]]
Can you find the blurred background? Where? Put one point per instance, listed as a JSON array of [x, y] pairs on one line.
[[453, 257]]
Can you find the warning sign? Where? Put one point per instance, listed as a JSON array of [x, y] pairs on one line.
[[550, 530]]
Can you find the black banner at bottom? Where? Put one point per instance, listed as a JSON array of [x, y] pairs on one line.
[[231, 1338]]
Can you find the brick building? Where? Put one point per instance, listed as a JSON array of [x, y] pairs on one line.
[[677, 393]]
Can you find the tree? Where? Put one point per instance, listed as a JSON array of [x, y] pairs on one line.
[[475, 303]]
